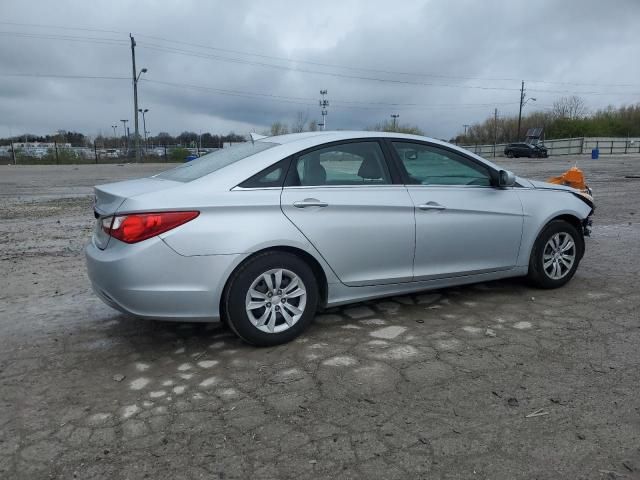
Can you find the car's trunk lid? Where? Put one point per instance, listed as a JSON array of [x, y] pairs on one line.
[[109, 197]]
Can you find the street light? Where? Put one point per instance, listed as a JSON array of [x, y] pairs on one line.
[[395, 117], [144, 122], [144, 70], [115, 135], [135, 107]]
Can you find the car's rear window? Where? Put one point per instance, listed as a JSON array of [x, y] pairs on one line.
[[214, 161]]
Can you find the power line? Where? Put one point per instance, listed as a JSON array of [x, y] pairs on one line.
[[189, 53], [59, 27], [309, 62], [68, 38], [374, 70], [307, 101], [303, 70], [49, 75]]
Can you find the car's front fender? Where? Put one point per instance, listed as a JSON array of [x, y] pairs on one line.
[[542, 206]]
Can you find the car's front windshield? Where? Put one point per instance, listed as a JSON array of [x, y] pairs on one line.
[[214, 161]]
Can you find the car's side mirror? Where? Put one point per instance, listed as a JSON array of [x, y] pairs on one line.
[[506, 178]]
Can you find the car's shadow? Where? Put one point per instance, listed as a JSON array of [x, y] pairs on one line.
[[163, 337]]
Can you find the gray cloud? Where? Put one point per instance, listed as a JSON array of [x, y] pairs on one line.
[[455, 44]]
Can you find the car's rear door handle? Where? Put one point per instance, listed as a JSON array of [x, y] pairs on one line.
[[309, 202], [431, 206]]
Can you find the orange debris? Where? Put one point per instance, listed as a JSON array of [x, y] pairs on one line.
[[572, 178]]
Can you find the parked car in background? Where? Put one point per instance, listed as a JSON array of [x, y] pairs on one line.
[[525, 150], [112, 153], [263, 233], [157, 152]]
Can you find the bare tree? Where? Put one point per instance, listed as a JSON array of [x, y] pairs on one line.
[[572, 107], [278, 128], [313, 126], [389, 126], [300, 121]]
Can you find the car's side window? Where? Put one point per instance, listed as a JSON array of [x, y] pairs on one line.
[[430, 165], [353, 163], [272, 176]]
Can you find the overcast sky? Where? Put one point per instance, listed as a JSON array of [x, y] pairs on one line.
[[242, 65]]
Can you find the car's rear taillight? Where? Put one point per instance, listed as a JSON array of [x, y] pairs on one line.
[[136, 227]]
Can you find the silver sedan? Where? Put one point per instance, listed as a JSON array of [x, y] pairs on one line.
[[263, 234]]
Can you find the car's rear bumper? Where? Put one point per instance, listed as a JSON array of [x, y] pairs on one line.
[[150, 280]]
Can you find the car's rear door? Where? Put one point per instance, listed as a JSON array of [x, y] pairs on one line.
[[464, 225], [343, 197]]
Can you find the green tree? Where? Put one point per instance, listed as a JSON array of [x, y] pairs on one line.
[[179, 154]]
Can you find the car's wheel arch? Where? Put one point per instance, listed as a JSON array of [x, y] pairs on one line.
[[309, 259], [572, 220]]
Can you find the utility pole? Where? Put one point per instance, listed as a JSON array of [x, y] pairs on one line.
[[324, 103], [135, 96], [395, 118], [115, 135], [124, 131], [495, 131], [522, 93], [136, 77]]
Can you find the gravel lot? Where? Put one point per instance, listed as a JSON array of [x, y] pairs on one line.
[[438, 385]]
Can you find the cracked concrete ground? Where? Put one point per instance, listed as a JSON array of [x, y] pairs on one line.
[[435, 385]]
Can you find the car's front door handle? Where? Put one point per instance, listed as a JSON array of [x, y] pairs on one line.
[[309, 202], [431, 206]]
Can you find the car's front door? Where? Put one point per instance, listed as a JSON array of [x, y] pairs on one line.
[[342, 198], [524, 150], [464, 225]]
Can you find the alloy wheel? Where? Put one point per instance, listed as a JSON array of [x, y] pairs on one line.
[[276, 300], [559, 255]]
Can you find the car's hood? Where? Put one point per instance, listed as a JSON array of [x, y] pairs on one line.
[[550, 186]]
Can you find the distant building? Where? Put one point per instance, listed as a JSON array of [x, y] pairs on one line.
[[29, 145]]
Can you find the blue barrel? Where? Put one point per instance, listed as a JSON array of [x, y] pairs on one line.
[[595, 153]]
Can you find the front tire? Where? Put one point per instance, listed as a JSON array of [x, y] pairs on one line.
[[271, 298], [510, 154], [555, 255]]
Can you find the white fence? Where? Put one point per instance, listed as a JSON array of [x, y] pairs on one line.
[[570, 146], [75, 155]]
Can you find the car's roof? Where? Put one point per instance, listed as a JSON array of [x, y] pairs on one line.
[[337, 135], [289, 144], [311, 139]]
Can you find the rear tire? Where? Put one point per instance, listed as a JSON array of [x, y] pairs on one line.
[[271, 298], [555, 255]]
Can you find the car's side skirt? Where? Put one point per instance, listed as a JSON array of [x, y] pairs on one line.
[[340, 294]]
